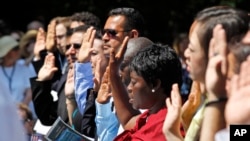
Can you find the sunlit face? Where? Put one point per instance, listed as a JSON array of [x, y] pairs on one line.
[[12, 56], [61, 38], [97, 56], [195, 56], [140, 93], [114, 33], [72, 52]]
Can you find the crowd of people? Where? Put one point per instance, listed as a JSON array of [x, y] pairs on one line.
[[111, 82]]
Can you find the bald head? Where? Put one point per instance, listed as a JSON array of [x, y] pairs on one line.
[[133, 46]]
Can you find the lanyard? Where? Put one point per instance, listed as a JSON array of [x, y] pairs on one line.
[[9, 77]]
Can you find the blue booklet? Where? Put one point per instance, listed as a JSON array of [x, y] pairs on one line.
[[61, 131]]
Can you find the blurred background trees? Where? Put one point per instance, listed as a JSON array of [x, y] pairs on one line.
[[164, 18]]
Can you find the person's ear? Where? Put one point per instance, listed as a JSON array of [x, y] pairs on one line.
[[134, 33], [156, 85]]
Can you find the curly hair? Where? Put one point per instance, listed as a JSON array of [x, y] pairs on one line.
[[158, 62]]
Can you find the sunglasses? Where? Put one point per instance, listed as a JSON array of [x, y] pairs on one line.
[[111, 32], [75, 46]]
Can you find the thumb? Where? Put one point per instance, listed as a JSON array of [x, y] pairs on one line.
[[54, 69]]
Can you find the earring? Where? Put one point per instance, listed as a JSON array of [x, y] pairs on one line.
[[153, 90]]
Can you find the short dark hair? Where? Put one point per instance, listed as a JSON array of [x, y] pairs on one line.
[[84, 28], [234, 21], [87, 18], [158, 61], [134, 18]]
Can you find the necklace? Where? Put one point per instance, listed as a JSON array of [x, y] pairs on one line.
[[9, 77]]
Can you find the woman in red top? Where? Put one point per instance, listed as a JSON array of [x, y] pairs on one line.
[[153, 71]]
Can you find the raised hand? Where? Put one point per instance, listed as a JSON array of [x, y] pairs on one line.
[[51, 36], [98, 72], [87, 44], [69, 85], [192, 104], [48, 69], [69, 94], [117, 57], [237, 109], [171, 126], [40, 43], [104, 93], [215, 82], [217, 66]]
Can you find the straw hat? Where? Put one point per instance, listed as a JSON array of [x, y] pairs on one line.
[[25, 40]]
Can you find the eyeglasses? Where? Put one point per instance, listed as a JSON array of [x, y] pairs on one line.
[[75, 46], [112, 32]]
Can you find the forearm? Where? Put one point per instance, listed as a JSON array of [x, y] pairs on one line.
[[71, 105], [83, 82], [124, 109], [107, 123], [214, 123]]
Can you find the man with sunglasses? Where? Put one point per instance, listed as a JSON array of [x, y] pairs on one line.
[[121, 22]]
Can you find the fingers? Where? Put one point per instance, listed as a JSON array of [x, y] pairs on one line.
[[97, 73], [168, 102], [40, 35], [195, 87], [220, 46], [117, 57], [92, 37], [218, 43], [98, 67], [50, 62], [222, 42], [123, 48], [195, 93], [87, 45], [105, 76], [211, 51], [48, 58], [88, 35], [175, 95], [112, 56], [50, 38], [219, 36]]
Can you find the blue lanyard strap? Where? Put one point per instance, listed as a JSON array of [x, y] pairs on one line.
[[9, 77]]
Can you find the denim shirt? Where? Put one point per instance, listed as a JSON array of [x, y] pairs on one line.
[[107, 123], [83, 79]]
